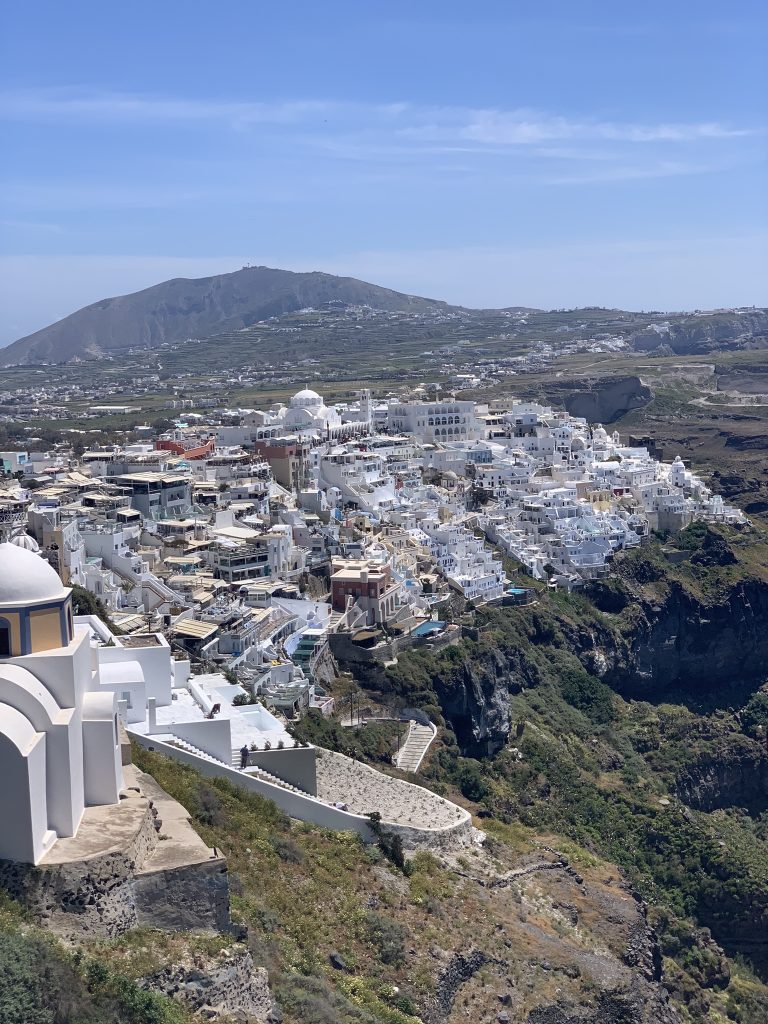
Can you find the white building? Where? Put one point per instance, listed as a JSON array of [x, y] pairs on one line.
[[306, 417], [450, 420], [59, 744]]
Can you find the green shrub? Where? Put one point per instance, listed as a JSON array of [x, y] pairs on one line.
[[287, 850], [588, 694], [388, 936], [755, 714]]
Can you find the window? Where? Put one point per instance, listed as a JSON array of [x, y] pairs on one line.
[[5, 641]]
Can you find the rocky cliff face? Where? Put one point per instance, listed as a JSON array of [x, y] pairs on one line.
[[682, 643], [706, 332], [655, 640], [227, 986], [475, 700], [604, 401], [734, 774]]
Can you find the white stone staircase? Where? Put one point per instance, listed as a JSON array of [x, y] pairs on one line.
[[192, 749], [417, 742], [253, 770], [334, 620], [261, 773]]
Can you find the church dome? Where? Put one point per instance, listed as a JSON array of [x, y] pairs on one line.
[[26, 541], [306, 399], [26, 578]]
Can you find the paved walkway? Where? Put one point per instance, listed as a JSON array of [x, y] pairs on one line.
[[363, 790], [412, 752]]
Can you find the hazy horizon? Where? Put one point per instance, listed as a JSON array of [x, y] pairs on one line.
[[137, 274], [550, 154]]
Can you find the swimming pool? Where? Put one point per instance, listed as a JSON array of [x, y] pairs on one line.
[[433, 626]]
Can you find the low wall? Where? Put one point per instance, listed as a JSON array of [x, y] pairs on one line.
[[294, 764], [213, 737], [308, 808], [295, 805], [433, 838]]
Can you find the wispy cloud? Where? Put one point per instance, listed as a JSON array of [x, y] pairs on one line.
[[70, 104], [31, 226], [495, 127], [325, 145], [67, 104], [526, 127]]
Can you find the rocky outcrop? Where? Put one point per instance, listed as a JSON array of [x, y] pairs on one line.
[[622, 1007], [478, 707], [229, 985], [679, 642], [604, 401], [706, 332], [459, 969], [733, 774]]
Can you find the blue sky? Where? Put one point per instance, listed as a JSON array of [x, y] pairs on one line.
[[496, 153]]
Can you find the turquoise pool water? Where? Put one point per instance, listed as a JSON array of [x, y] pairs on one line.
[[428, 627]]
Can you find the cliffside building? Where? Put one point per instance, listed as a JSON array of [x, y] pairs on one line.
[[59, 742]]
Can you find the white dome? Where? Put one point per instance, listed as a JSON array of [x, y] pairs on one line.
[[26, 578], [306, 399], [24, 540]]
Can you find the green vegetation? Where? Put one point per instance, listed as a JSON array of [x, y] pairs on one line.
[[605, 771], [375, 741], [302, 892], [42, 982]]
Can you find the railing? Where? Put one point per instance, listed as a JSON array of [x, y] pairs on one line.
[[265, 629]]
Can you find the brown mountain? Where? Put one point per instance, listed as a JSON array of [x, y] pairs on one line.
[[197, 308]]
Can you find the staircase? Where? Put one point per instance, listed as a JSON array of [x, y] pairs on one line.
[[260, 773], [334, 620], [253, 770], [191, 749], [412, 752]]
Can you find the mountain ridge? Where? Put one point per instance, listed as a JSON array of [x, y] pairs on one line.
[[182, 308], [211, 308]]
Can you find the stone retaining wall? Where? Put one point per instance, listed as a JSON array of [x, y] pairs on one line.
[[85, 897], [433, 838], [189, 898], [229, 985], [107, 894]]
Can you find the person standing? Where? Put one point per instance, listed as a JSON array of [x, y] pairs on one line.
[[244, 756]]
